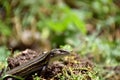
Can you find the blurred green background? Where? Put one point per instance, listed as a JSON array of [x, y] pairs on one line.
[[89, 26]]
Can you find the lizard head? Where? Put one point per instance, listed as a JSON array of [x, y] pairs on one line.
[[56, 54], [59, 52]]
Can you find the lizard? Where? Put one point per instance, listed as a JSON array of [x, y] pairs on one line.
[[39, 63]]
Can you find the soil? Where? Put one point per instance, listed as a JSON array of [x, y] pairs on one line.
[[22, 58], [74, 62]]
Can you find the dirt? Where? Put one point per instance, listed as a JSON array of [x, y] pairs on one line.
[[22, 58], [73, 64], [56, 67]]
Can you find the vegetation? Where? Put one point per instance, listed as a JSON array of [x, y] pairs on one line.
[[91, 28]]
